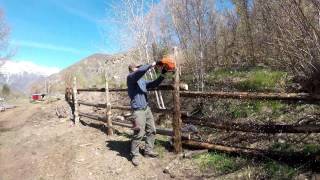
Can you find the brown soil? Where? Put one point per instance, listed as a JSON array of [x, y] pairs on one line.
[[36, 144]]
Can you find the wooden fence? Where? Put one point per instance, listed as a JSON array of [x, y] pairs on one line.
[[180, 137]]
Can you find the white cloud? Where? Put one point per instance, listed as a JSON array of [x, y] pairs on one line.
[[46, 46], [20, 67]]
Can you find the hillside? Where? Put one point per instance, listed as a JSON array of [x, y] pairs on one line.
[[90, 72]]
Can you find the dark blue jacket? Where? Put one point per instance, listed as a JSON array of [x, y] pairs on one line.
[[137, 87]]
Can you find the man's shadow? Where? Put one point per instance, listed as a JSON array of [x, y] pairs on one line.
[[122, 147]]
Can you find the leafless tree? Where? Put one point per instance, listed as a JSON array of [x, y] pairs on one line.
[[4, 38], [195, 26], [280, 34]]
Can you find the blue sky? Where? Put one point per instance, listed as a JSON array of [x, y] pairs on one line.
[[58, 33]]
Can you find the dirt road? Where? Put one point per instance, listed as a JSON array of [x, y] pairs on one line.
[[35, 144]]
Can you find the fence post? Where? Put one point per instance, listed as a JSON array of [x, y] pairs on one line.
[[176, 113], [75, 103], [108, 108]]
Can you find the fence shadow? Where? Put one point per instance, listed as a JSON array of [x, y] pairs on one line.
[[100, 127]]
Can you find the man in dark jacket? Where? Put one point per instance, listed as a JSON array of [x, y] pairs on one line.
[[143, 118]]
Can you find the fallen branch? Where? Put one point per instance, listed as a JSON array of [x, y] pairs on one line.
[[278, 155]]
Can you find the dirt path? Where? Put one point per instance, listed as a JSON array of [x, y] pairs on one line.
[[35, 144]]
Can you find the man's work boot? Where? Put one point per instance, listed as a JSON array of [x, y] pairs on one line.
[[151, 154], [135, 160]]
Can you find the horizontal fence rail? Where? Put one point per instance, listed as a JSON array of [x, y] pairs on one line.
[[251, 127], [226, 95], [161, 131], [162, 87], [92, 104], [252, 95], [228, 126], [119, 107], [169, 87]]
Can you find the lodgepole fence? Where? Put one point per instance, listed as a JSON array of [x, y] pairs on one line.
[[179, 90], [183, 138]]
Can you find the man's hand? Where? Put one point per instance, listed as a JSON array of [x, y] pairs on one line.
[[153, 64], [164, 70]]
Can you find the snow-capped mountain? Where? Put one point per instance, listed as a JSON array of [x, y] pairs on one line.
[[20, 74]]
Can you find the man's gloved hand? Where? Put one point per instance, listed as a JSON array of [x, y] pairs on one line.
[[159, 63], [153, 64], [164, 70]]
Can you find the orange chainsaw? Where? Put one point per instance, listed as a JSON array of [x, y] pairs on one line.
[[167, 64]]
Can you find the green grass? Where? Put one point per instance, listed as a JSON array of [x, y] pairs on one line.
[[283, 147], [311, 149], [219, 162], [277, 171], [259, 80], [160, 145], [246, 109], [223, 164], [256, 79]]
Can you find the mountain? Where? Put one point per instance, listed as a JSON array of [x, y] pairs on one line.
[[90, 72], [19, 75]]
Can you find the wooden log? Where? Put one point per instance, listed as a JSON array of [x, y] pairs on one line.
[[119, 107], [92, 104], [165, 87], [157, 110], [252, 95], [253, 128], [75, 103], [108, 108], [227, 149], [176, 124], [127, 108], [293, 157], [92, 90], [91, 116]]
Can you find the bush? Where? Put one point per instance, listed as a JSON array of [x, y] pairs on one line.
[[219, 162], [255, 79], [6, 90], [278, 171]]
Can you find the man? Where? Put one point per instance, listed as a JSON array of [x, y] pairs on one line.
[[143, 118]]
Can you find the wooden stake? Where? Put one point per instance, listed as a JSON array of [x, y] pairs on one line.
[[75, 103], [176, 124], [108, 109]]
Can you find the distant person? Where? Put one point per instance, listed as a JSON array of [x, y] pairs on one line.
[[143, 118]]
